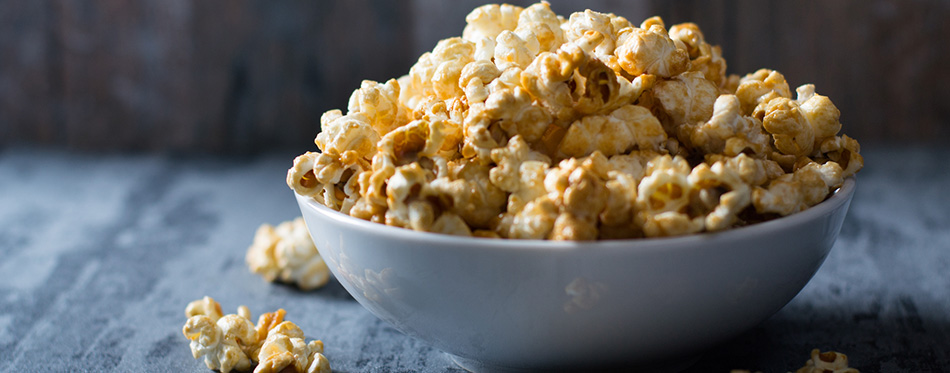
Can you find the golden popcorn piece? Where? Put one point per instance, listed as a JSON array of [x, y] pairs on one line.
[[577, 188], [206, 306], [759, 87], [845, 151], [663, 196], [488, 21], [285, 350], [541, 23], [233, 343], [648, 49], [728, 132], [619, 132], [704, 58], [504, 131], [220, 342], [826, 362], [466, 190], [687, 98], [719, 193], [475, 77], [379, 103], [794, 192], [287, 253]]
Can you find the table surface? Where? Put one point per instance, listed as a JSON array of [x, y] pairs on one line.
[[99, 254]]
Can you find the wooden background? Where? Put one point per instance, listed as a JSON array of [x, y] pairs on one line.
[[240, 76]]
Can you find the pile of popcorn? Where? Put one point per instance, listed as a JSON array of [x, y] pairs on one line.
[[233, 343], [535, 126]]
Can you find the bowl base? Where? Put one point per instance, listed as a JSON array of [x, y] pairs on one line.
[[662, 366]]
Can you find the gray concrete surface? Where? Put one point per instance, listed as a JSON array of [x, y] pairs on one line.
[[99, 254]]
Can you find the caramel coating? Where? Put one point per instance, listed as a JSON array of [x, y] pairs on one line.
[[534, 125]]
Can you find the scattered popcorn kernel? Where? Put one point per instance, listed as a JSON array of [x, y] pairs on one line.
[[284, 350], [826, 362], [287, 253], [580, 127], [234, 343]]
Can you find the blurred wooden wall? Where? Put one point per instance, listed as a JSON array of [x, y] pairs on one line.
[[250, 75]]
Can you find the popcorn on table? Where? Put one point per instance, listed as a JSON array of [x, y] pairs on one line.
[[534, 125], [233, 343], [287, 253]]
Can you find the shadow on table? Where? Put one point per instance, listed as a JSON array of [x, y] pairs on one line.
[[332, 290], [897, 340]]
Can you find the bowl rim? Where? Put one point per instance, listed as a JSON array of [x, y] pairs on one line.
[[838, 197]]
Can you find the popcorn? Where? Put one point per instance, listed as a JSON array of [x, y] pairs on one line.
[[686, 98], [648, 49], [284, 350], [662, 198], [826, 362], [728, 132], [623, 130], [379, 103], [233, 343], [704, 58], [533, 125], [487, 21], [794, 192], [287, 253]]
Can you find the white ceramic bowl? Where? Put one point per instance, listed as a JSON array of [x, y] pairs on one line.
[[541, 304]]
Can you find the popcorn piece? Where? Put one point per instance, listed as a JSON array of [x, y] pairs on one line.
[[826, 362], [511, 50], [379, 103], [539, 22], [797, 191], [704, 57], [720, 194], [650, 50], [340, 133], [625, 128], [220, 342], [466, 190], [688, 98], [206, 306], [728, 132], [845, 151], [662, 198], [752, 171], [285, 350], [475, 77], [577, 188], [233, 342], [488, 21], [604, 27], [287, 253], [759, 87]]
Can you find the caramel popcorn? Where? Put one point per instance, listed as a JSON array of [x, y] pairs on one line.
[[287, 253], [826, 362], [233, 343], [534, 125]]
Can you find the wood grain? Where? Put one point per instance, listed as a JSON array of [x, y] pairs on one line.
[[251, 75]]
